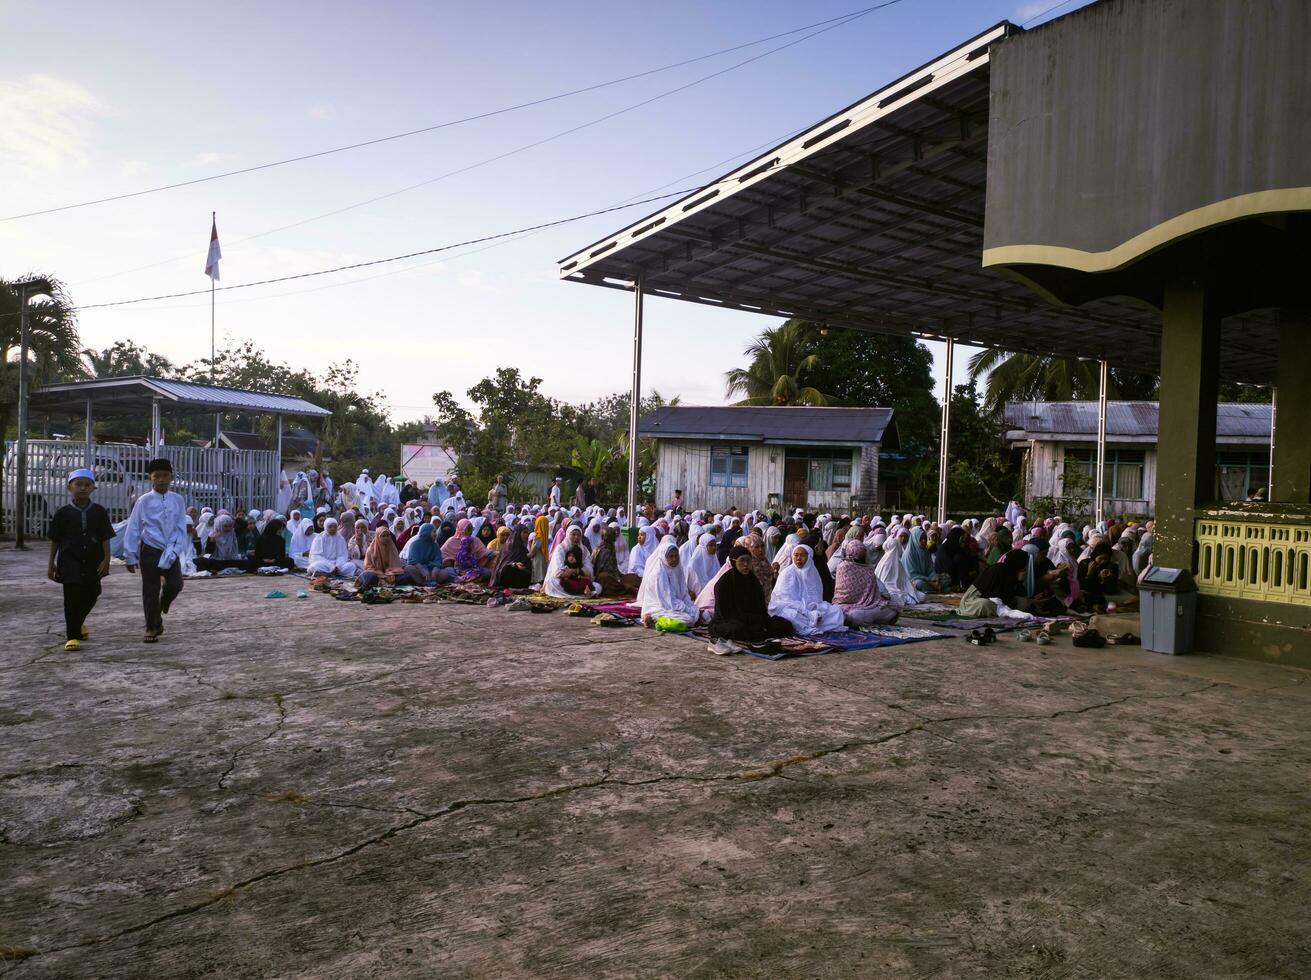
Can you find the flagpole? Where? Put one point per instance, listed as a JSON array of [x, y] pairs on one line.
[[213, 366]]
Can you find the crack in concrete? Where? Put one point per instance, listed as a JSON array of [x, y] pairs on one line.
[[236, 753]]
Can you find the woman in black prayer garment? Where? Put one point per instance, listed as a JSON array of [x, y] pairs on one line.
[[740, 610]]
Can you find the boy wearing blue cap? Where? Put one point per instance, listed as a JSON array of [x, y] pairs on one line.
[[79, 554]]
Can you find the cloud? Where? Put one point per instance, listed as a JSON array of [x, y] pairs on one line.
[[47, 123], [1030, 10], [208, 158], [323, 113]]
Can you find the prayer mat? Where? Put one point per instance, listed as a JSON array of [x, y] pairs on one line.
[[624, 610]]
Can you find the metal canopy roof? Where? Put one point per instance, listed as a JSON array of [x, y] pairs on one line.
[[137, 393], [873, 219], [794, 424], [1236, 422]]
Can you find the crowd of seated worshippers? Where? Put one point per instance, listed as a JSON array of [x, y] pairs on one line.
[[815, 572]]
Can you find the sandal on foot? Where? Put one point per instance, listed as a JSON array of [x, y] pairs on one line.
[[150, 637], [72, 645], [86, 634]]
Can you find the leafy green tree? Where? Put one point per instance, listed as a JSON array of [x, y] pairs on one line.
[[877, 370], [125, 359], [780, 370]]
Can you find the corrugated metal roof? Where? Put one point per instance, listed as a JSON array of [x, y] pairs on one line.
[[1234, 420], [797, 424], [137, 393]]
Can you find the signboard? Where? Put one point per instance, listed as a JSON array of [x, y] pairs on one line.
[[425, 463]]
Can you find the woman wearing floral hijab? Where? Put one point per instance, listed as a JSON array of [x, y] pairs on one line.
[[466, 554], [858, 592]]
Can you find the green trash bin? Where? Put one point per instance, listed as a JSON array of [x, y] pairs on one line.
[[630, 536]]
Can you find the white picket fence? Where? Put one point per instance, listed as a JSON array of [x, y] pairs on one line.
[[244, 479]]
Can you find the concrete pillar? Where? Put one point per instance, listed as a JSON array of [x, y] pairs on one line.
[[1292, 450], [1185, 471]]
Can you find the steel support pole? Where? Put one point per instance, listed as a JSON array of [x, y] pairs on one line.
[[1100, 500], [90, 436], [635, 405], [945, 441], [279, 442], [1274, 414], [155, 433], [20, 472]]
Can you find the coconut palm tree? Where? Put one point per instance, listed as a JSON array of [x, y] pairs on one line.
[[1029, 377], [54, 350], [126, 359], [779, 370]]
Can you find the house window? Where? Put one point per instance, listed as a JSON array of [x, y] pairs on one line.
[[827, 470], [1123, 476], [1237, 473], [728, 466]]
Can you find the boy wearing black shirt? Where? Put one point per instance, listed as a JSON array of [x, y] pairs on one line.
[[79, 554]]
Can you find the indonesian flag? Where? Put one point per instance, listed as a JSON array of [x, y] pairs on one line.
[[215, 253]]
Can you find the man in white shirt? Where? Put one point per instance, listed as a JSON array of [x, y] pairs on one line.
[[155, 538], [553, 498]]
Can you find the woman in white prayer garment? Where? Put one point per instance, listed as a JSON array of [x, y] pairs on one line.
[[705, 564], [798, 596], [892, 571], [642, 551], [328, 553], [663, 592]]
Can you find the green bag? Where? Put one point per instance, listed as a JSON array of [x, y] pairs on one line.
[[668, 624]]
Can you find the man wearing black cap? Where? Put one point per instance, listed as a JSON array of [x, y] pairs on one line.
[[155, 537]]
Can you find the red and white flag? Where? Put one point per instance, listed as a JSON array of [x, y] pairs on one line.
[[215, 253]]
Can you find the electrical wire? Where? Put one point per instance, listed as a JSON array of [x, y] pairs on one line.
[[393, 258], [523, 148], [628, 201], [832, 21]]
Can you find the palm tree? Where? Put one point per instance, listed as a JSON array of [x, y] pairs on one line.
[[126, 359], [778, 370], [53, 346], [1030, 377]]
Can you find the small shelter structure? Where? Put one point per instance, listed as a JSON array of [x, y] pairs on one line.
[[235, 478]]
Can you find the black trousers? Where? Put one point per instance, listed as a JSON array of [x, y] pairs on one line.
[[79, 599], [154, 600]]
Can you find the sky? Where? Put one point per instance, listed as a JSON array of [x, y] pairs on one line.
[[132, 95]]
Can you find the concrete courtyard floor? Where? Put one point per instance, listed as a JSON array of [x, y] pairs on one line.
[[312, 788]]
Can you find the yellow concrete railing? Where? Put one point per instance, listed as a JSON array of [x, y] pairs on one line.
[[1254, 559]]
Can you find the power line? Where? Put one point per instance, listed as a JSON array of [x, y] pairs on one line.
[[393, 258], [527, 146], [513, 237], [832, 21]]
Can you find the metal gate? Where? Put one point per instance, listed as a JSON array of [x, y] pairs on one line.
[[237, 479]]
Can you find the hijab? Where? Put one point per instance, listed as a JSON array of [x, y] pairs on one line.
[[894, 572], [737, 595], [382, 557], [641, 552], [799, 588], [703, 565], [541, 536], [224, 538], [664, 589], [513, 551], [917, 560], [271, 543], [423, 549], [857, 583]]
